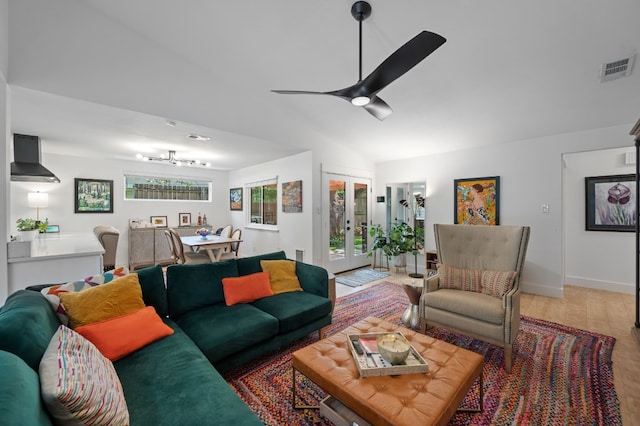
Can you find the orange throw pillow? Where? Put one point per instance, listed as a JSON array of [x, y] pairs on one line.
[[118, 337], [246, 288]]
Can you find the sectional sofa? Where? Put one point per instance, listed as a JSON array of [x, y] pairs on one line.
[[175, 380]]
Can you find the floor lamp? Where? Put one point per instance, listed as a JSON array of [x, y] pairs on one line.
[[419, 203], [636, 328]]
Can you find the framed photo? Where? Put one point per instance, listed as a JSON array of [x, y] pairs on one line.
[[477, 201], [611, 203], [184, 219], [292, 197], [93, 196], [158, 221], [235, 198]]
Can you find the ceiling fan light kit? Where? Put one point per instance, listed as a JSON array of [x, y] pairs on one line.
[[364, 92]]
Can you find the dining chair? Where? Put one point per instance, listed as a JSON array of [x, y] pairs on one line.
[[184, 257], [226, 231], [108, 237], [233, 247]]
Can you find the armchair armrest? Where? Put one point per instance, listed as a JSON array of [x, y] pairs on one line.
[[431, 284]]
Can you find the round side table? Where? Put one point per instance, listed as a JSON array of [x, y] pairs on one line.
[[413, 288]]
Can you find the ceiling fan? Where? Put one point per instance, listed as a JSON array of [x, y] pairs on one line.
[[364, 92]]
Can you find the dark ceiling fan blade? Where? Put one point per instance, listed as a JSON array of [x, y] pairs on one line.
[[378, 108], [401, 61], [299, 92]]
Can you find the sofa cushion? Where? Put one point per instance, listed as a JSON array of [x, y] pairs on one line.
[[20, 402], [78, 384], [478, 306], [118, 337], [194, 286], [497, 283], [459, 278], [236, 328], [170, 382], [121, 296], [282, 275], [52, 293], [154, 292], [251, 265], [294, 309], [246, 288], [21, 311]]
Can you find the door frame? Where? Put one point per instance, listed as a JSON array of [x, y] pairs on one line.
[[328, 172]]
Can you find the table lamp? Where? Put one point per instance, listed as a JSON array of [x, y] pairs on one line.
[[37, 200]]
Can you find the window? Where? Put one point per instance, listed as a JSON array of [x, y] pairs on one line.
[[156, 188], [264, 202]]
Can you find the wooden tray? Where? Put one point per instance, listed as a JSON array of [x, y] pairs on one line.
[[371, 363]]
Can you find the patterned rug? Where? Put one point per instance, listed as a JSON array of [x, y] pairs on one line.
[[560, 375], [360, 277]]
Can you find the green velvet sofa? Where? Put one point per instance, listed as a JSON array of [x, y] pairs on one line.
[[175, 380]]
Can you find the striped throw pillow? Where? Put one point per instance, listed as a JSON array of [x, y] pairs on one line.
[[78, 384], [459, 278], [497, 283]]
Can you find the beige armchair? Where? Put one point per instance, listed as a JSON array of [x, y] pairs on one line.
[[476, 291], [108, 237]]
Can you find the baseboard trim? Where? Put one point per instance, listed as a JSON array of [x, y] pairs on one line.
[[626, 288]]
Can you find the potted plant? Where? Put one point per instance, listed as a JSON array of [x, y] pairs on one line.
[[30, 227], [401, 241]]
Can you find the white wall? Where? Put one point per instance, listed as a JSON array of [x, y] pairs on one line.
[[4, 136], [294, 230], [530, 175], [596, 259], [61, 196]]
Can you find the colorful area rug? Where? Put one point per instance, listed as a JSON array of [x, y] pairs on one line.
[[560, 376], [360, 277]]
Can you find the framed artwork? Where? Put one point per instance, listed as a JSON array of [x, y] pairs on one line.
[[292, 197], [158, 221], [235, 198], [93, 195], [184, 219], [477, 201], [611, 203]]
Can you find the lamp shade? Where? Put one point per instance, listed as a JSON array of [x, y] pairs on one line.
[[38, 199]]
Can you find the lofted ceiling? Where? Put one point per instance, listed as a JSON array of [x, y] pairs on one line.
[[101, 78]]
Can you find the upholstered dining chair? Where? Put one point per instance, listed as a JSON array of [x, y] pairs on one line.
[[233, 247], [108, 237], [476, 291], [180, 256], [226, 231]]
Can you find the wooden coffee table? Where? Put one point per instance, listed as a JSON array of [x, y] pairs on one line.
[[408, 399]]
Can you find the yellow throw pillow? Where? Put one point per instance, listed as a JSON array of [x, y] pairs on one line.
[[121, 296], [282, 275]]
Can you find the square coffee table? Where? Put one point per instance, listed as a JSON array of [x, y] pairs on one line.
[[407, 399]]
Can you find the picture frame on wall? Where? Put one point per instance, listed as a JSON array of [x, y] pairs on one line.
[[184, 219], [235, 198], [93, 195], [292, 197], [610, 203], [158, 221], [477, 201]]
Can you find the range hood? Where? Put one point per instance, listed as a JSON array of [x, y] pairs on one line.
[[27, 167]]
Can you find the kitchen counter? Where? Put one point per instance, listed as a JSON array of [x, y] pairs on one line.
[[56, 258]]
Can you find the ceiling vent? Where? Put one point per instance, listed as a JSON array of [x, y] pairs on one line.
[[616, 69]]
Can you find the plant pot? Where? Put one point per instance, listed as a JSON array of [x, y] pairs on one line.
[[29, 235], [400, 260]]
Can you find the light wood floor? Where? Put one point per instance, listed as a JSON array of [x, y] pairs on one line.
[[598, 311]]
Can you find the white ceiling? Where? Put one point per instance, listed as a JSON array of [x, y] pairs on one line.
[[100, 78]]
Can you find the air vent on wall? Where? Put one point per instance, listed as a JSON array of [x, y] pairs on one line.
[[616, 69]]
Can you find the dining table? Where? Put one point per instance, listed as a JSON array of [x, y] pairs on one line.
[[214, 245]]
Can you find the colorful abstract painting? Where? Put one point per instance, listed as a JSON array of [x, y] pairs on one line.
[[477, 201], [292, 197], [611, 203]]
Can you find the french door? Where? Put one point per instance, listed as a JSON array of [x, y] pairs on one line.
[[346, 220]]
